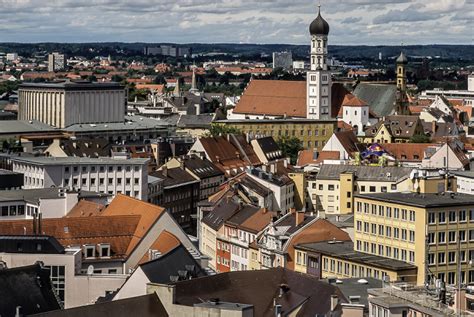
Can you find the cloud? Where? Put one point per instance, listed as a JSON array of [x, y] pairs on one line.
[[210, 21]]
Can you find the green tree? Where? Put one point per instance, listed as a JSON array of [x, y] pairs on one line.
[[222, 129], [420, 138], [290, 147]]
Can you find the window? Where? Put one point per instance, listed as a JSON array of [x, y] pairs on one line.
[[21, 210], [89, 251], [441, 237], [388, 232], [330, 187], [381, 211], [12, 210], [462, 216], [452, 216], [84, 169], [412, 236], [431, 259], [389, 212], [431, 218], [412, 215], [451, 257], [374, 229], [431, 238], [372, 189], [105, 250], [442, 217], [462, 236], [381, 230], [404, 214], [396, 233], [396, 213], [404, 234], [452, 236]]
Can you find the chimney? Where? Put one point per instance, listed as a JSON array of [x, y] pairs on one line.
[[18, 312], [285, 163], [34, 223], [334, 302], [299, 217], [39, 224], [237, 154], [164, 170], [433, 126]]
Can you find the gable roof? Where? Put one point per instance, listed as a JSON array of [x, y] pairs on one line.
[[28, 287], [174, 177], [94, 148], [165, 242], [380, 97], [148, 214], [349, 142], [283, 98]]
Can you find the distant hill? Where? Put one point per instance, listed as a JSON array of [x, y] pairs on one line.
[[450, 52]]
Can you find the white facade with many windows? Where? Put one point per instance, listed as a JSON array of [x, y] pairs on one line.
[[102, 175]]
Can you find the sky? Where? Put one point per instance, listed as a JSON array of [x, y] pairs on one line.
[[352, 22]]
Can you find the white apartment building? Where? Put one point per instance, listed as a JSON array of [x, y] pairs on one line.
[[465, 182], [102, 175]]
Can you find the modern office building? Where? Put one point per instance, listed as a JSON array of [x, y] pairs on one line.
[[67, 103], [103, 175]]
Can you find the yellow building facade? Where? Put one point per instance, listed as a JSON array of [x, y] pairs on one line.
[[313, 134], [430, 231]]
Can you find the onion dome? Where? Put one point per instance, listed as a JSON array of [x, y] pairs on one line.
[[319, 26], [402, 59]]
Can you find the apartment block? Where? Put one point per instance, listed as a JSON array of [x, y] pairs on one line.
[[431, 231]]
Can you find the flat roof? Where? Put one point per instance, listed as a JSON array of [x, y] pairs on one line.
[[467, 174], [447, 199], [79, 160], [344, 250], [24, 127], [73, 85], [282, 120], [131, 123]]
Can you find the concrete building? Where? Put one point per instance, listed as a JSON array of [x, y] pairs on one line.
[[430, 231], [72, 287], [337, 259], [335, 186], [64, 104], [102, 175], [313, 134], [282, 60], [56, 62], [464, 182]]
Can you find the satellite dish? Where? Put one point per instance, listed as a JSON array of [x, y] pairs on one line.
[[90, 270]]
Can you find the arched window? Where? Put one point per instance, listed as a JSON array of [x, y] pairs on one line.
[[319, 43], [319, 61]]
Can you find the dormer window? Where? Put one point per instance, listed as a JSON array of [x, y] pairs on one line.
[[104, 250], [89, 251]]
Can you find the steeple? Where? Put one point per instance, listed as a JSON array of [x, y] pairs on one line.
[[319, 77], [402, 104], [194, 83], [177, 88]]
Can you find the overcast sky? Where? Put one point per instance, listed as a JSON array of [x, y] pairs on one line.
[[370, 22]]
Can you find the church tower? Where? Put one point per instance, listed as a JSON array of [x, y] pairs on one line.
[[318, 81], [402, 104]]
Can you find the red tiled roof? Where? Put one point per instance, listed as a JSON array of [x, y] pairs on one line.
[[274, 98], [165, 242], [118, 231], [352, 101], [85, 208], [407, 151], [306, 157]]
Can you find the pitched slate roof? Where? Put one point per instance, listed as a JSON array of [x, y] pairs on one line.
[[380, 97], [174, 177], [349, 142], [94, 148], [260, 288], [398, 126], [143, 306], [170, 264], [202, 168], [28, 287]]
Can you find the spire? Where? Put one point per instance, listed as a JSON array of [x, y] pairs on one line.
[[177, 88], [193, 83]]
